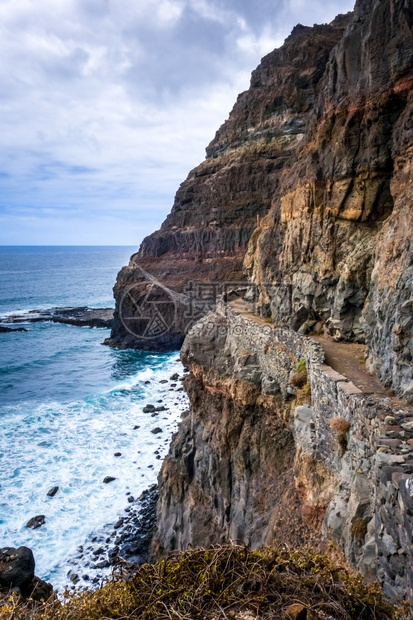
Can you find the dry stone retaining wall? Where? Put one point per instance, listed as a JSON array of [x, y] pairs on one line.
[[370, 515]]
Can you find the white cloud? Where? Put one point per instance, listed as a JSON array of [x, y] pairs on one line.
[[105, 105]]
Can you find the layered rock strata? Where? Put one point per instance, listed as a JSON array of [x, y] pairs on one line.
[[313, 171], [336, 246], [217, 207], [257, 460]]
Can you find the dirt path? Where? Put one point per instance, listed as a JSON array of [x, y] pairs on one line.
[[347, 358], [344, 357]]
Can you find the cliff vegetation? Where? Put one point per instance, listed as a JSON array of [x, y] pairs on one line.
[[221, 582]]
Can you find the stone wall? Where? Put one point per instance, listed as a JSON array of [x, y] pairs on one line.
[[354, 485]]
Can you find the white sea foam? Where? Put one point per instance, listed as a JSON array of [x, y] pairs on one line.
[[72, 446]]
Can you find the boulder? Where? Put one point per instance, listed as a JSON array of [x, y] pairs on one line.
[[16, 568], [36, 522]]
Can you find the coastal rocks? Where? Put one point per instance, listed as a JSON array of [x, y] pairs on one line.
[[81, 316], [36, 522], [126, 544], [6, 330], [17, 574], [16, 567]]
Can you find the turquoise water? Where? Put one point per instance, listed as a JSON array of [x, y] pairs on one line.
[[67, 404]]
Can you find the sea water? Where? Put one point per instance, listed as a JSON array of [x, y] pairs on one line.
[[69, 404]]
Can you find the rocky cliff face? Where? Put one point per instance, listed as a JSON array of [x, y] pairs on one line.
[[312, 171], [230, 471], [278, 445], [205, 237], [335, 246]]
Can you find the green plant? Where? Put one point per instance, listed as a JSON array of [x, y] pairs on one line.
[[301, 366]]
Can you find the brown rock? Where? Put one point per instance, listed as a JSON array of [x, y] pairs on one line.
[[296, 612], [218, 206]]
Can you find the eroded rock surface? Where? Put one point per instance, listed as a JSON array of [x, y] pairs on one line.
[[205, 237], [335, 246], [260, 459]]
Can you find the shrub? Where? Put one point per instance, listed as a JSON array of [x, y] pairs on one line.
[[340, 425], [197, 583], [298, 379], [359, 529]]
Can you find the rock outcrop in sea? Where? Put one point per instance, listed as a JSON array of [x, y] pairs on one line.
[[301, 377]]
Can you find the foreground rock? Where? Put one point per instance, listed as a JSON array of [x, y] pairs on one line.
[[17, 574], [82, 317]]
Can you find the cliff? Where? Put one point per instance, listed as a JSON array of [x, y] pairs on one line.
[[305, 192], [335, 246], [215, 212], [295, 431], [280, 446]]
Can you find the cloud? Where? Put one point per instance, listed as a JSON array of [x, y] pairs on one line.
[[105, 105]]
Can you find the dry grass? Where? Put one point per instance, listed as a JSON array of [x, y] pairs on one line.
[[304, 395], [359, 529], [298, 379], [340, 426], [220, 582]]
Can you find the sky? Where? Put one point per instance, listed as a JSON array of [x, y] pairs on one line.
[[106, 105]]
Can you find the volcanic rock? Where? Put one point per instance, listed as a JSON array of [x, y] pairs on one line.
[[36, 522]]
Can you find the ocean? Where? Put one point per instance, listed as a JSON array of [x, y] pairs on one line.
[[68, 405]]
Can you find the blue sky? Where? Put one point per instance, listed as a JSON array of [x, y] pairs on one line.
[[105, 105]]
